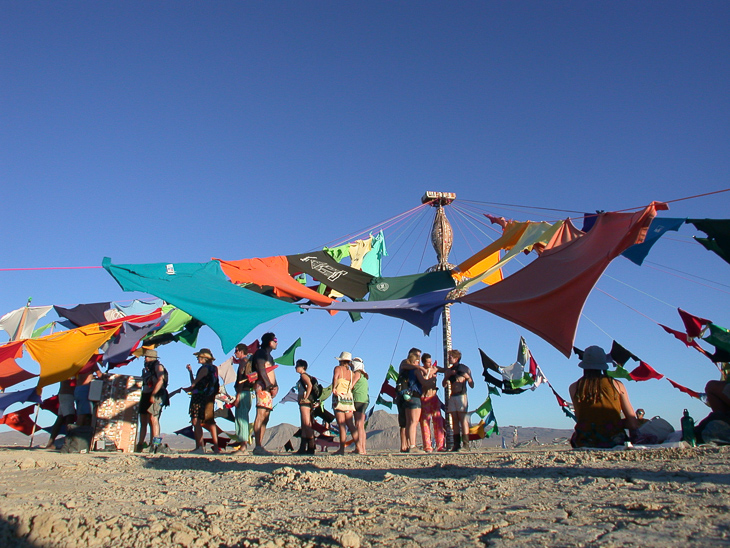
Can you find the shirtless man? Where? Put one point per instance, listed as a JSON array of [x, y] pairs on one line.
[[459, 375], [266, 389]]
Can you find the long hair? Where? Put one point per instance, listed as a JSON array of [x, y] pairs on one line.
[[589, 386]]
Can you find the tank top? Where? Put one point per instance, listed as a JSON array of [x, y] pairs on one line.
[[360, 390], [599, 423]]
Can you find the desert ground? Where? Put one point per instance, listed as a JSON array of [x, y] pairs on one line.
[[488, 497]]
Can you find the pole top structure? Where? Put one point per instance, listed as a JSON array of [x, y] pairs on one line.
[[438, 198]]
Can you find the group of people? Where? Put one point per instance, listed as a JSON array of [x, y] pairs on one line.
[[603, 410]]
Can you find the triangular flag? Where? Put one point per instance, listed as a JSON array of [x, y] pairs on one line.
[[645, 372], [288, 357], [693, 324]]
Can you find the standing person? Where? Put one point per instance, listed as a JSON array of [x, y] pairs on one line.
[[305, 397], [266, 389], [400, 401], [431, 408], [243, 400], [599, 401], [154, 397], [204, 387], [342, 400], [361, 397], [81, 393], [411, 396], [459, 375], [66, 409]]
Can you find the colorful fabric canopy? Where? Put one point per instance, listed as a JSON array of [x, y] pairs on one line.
[[139, 307], [419, 310], [323, 268], [270, 271], [20, 420], [204, 292], [62, 355], [638, 252], [127, 338], [11, 321], [478, 263], [547, 296], [9, 398], [10, 372]]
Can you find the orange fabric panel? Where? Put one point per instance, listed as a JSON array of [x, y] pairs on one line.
[[273, 271], [480, 262], [62, 355]]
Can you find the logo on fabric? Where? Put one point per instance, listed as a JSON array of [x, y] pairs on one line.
[[171, 269], [382, 286], [329, 272]]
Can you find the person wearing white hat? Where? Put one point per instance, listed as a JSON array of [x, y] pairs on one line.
[[343, 403], [153, 398], [599, 402], [362, 399]]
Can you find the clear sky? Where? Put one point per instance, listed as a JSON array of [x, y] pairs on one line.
[[181, 131]]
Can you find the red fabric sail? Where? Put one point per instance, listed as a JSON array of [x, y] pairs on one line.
[[645, 372], [10, 372], [684, 389], [20, 420], [547, 296], [270, 271], [693, 324]]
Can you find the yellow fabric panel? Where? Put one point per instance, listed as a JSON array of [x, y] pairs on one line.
[[62, 355], [478, 430], [481, 267], [480, 262]]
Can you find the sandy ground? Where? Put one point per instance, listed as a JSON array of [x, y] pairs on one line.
[[546, 497]]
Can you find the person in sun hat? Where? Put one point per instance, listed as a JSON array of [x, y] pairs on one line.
[[362, 399], [602, 407], [203, 389], [343, 403], [154, 397]]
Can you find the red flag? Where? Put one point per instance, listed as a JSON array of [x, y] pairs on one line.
[[253, 347], [387, 389], [645, 372], [684, 389], [20, 420], [693, 324], [10, 372], [682, 337], [51, 404]]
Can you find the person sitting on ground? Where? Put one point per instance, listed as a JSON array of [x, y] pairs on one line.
[[203, 389], [342, 404], [362, 400], [153, 398], [304, 396], [66, 409], [718, 393], [431, 409], [599, 402], [640, 417], [458, 376]]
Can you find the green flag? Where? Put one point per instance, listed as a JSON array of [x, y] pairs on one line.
[[485, 408], [288, 357], [386, 403], [719, 337], [38, 332], [392, 374], [619, 373], [494, 391], [526, 380], [493, 431]]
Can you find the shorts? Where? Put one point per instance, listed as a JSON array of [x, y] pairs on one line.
[[81, 398], [202, 407], [361, 406], [413, 403], [458, 404], [264, 400], [147, 408], [66, 406]]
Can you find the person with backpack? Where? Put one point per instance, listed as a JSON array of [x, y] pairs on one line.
[[154, 398], [203, 389], [309, 391]]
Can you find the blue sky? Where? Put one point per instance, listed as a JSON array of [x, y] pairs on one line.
[[176, 132]]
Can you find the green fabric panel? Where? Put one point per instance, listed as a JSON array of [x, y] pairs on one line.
[[354, 316], [719, 337], [189, 335], [485, 408], [619, 373], [178, 320], [38, 332], [494, 391], [386, 403], [526, 380], [204, 292], [326, 393], [392, 374], [287, 358], [338, 253], [493, 431], [403, 287]]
